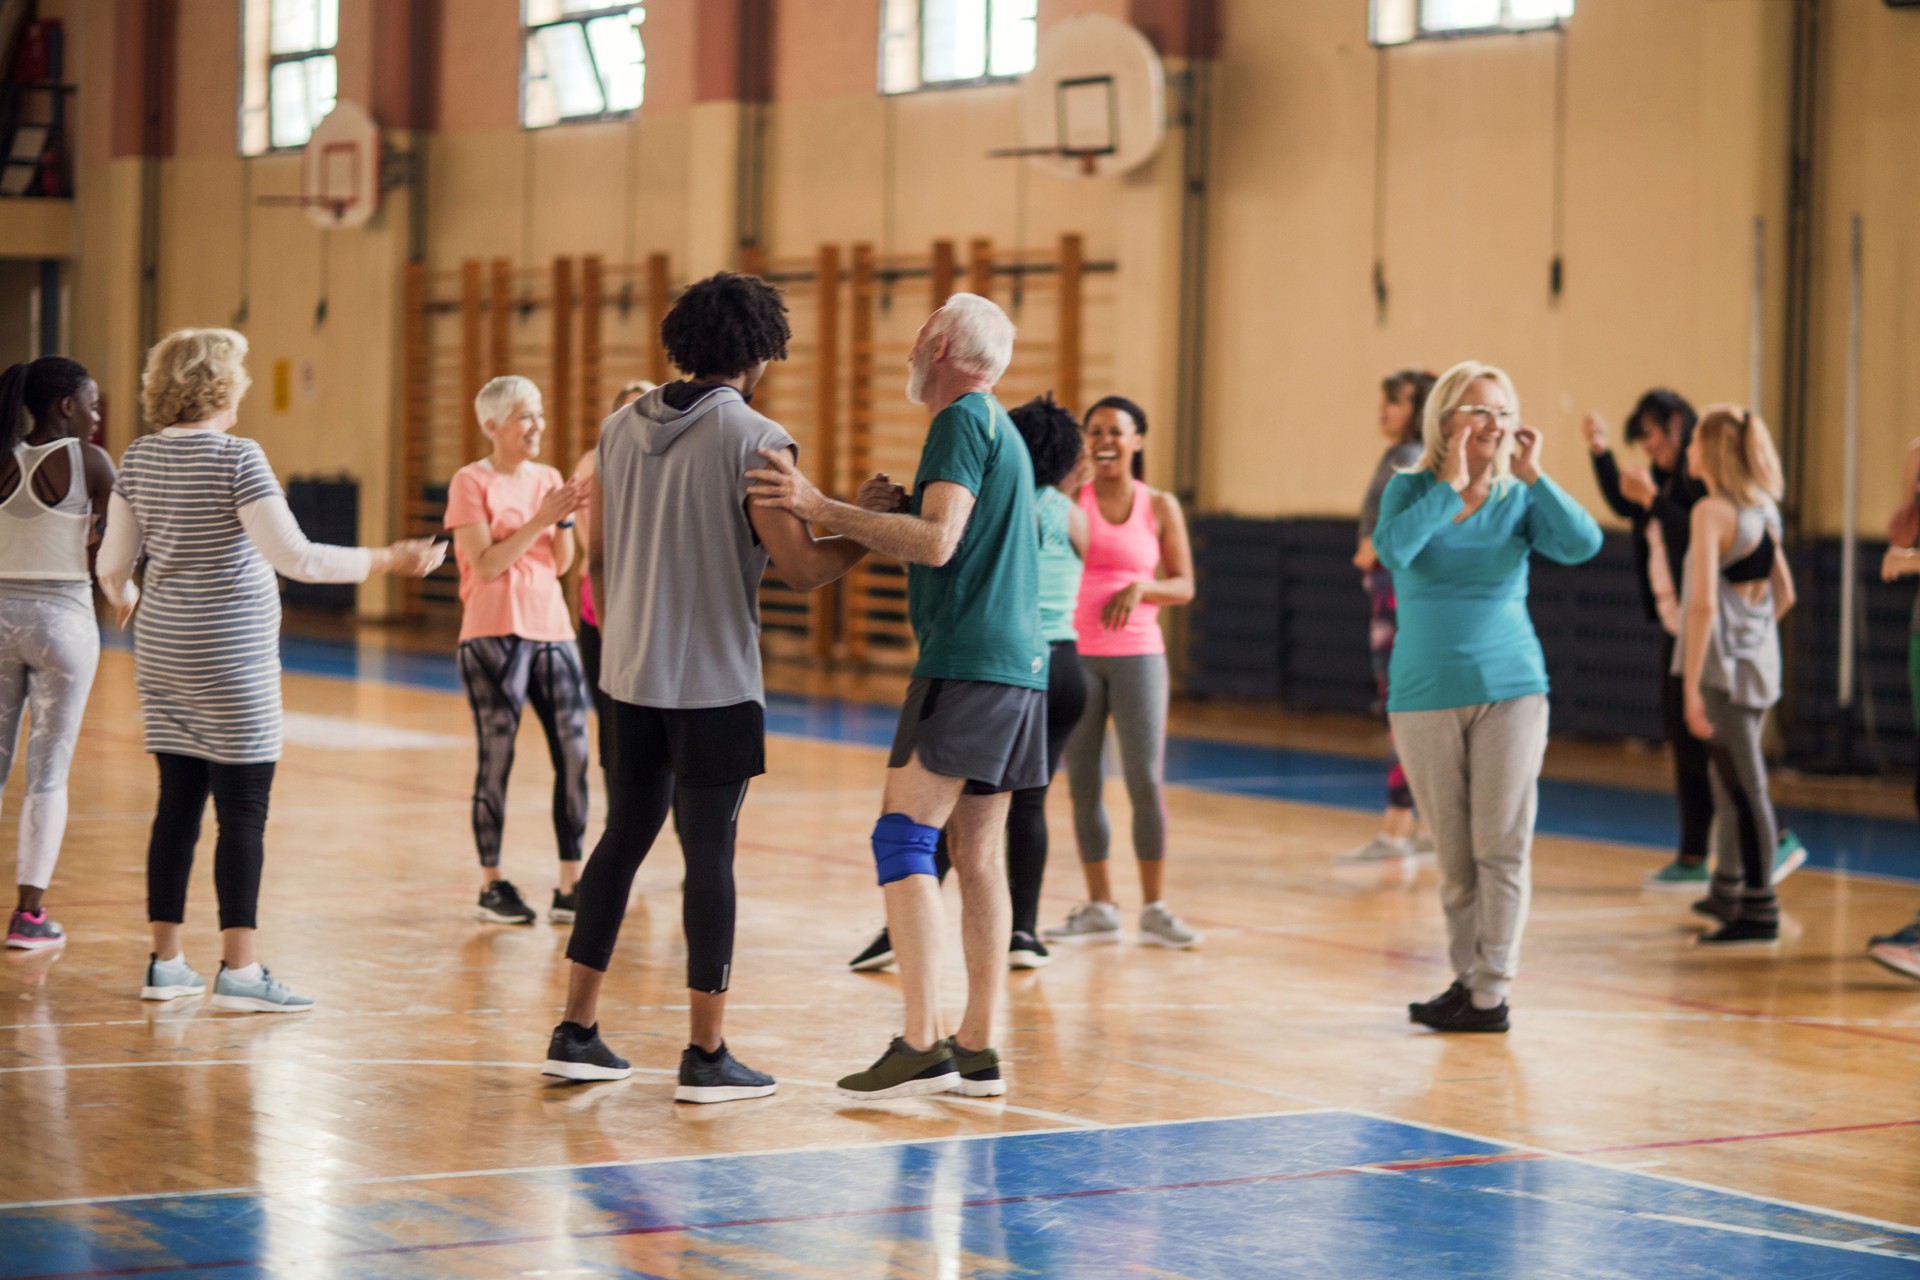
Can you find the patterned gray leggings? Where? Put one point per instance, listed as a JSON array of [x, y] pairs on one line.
[[503, 674], [49, 649]]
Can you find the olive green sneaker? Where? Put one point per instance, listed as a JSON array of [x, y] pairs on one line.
[[978, 1072], [903, 1072]]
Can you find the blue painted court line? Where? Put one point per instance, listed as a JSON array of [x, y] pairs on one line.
[[1327, 1193], [1854, 843]]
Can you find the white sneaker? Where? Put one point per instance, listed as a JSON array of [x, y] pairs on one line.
[[1159, 927], [1088, 922], [1379, 849]]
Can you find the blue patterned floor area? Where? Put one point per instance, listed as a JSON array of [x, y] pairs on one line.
[[1309, 1194], [1856, 844]]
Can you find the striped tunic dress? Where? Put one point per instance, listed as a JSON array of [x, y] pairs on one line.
[[207, 633]]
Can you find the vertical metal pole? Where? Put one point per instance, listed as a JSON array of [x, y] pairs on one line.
[[1757, 337], [1849, 531]]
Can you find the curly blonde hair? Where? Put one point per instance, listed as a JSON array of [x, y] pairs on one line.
[[193, 374]]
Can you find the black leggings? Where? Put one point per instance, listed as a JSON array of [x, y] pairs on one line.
[[1027, 842], [1692, 779], [502, 674], [590, 665], [240, 794], [678, 761]]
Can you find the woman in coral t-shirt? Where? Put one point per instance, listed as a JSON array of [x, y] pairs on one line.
[[511, 519]]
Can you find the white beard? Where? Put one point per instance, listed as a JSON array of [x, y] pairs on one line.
[[917, 374]]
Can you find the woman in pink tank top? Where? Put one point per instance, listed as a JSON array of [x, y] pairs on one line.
[[1138, 559]]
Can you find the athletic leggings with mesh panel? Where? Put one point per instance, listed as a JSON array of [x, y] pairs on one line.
[[502, 674]]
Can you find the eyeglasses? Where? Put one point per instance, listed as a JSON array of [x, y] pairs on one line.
[[1483, 414]]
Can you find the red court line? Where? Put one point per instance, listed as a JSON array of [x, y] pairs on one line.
[[838, 1215], [1749, 1137]]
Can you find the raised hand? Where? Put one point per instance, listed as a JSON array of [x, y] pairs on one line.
[[782, 484], [1637, 487], [1454, 470], [563, 501], [1595, 429], [1526, 455]]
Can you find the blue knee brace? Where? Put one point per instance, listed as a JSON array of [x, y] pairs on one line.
[[902, 848]]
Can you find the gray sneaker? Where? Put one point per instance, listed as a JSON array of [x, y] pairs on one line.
[[1089, 922], [1161, 928], [1422, 845], [1378, 849], [261, 994], [171, 979]]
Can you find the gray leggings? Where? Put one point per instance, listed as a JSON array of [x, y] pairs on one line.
[[1745, 834], [49, 649], [1133, 691]]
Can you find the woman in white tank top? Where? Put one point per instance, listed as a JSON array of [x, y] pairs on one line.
[[53, 493]]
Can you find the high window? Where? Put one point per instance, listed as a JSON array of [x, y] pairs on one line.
[[289, 76], [584, 60], [929, 44], [1398, 21]]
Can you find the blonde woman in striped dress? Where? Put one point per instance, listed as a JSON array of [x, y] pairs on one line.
[[202, 508]]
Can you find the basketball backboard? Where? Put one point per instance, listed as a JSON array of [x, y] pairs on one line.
[[1095, 101]]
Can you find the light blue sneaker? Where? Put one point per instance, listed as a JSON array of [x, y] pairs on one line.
[[171, 979], [260, 994], [1789, 857]]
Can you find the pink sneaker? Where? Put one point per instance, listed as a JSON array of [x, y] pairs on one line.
[[28, 931]]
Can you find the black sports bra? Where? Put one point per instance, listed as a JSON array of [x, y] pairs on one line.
[[1756, 565]]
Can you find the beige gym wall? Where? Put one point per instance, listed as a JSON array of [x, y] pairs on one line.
[[1675, 141]]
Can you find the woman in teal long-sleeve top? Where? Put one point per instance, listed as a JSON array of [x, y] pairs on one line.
[[1468, 685]]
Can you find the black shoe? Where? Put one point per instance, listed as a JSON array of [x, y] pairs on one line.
[[1464, 1017], [578, 1053], [726, 1079], [1713, 907], [1741, 933], [502, 904], [564, 905], [1027, 952], [979, 1072], [1440, 1006], [877, 956]]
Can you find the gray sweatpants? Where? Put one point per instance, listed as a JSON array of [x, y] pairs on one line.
[[1475, 773], [49, 649], [1745, 832], [1132, 690]]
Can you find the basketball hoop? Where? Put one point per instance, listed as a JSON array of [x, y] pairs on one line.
[[339, 171], [1095, 101]]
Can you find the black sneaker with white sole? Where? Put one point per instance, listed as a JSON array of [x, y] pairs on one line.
[[722, 1078], [877, 956], [564, 905], [501, 903], [1740, 933], [1027, 952], [578, 1053]]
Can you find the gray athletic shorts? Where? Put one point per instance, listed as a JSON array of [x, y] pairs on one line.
[[993, 735]]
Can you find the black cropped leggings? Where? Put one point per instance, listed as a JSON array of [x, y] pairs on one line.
[[240, 793], [695, 765]]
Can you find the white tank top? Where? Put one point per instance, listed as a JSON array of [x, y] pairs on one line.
[[44, 543]]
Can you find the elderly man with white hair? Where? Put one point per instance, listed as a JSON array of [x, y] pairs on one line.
[[974, 727]]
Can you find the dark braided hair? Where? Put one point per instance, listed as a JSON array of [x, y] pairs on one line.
[[1139, 417], [32, 389], [1053, 439], [724, 325]]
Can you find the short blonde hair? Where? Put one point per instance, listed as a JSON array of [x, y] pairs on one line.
[[192, 375], [497, 398], [631, 391], [1737, 455], [979, 334], [1448, 394]]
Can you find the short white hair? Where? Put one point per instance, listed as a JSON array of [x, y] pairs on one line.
[[497, 398], [979, 334], [1448, 394]]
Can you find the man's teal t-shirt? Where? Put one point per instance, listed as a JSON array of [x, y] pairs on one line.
[[977, 617]]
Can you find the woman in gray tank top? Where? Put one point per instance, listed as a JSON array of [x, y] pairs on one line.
[[1736, 590], [53, 492]]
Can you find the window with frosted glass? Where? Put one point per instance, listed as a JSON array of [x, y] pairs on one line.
[[583, 60], [289, 74], [1399, 21], [937, 43]]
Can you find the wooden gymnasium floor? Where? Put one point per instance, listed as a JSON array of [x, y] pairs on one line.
[[1257, 1107]]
